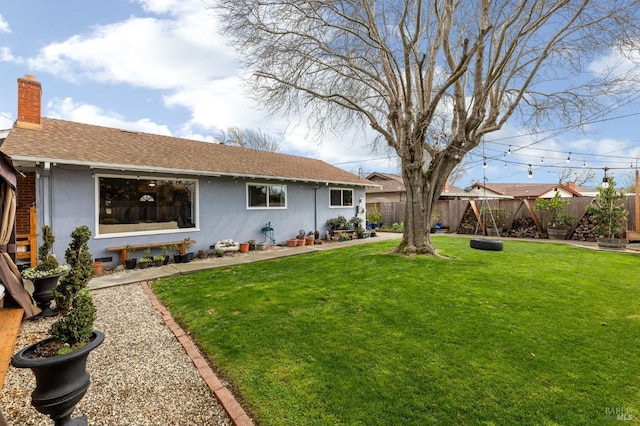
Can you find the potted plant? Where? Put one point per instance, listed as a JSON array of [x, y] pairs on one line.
[[158, 260], [146, 260], [339, 222], [491, 215], [356, 222], [301, 238], [558, 222], [187, 255], [59, 362], [374, 218], [45, 274], [130, 262], [165, 252], [610, 215]]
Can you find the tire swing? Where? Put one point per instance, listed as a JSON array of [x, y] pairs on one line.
[[483, 243]]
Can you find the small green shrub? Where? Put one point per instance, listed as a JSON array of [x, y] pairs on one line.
[[80, 261], [77, 326]]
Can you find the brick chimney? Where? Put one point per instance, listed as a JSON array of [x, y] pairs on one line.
[[29, 103], [571, 185]]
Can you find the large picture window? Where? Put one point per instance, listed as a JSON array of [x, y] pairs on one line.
[[341, 197], [142, 205], [266, 196]]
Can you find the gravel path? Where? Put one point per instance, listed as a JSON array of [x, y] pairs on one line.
[[160, 387]]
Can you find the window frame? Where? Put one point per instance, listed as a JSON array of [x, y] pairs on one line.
[[195, 207], [267, 206], [342, 205]]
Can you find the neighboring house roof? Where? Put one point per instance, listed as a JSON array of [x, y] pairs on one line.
[[392, 183], [387, 183], [60, 141], [527, 190]]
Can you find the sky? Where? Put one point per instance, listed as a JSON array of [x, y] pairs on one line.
[[160, 66]]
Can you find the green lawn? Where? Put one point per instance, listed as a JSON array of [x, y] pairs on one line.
[[537, 334]]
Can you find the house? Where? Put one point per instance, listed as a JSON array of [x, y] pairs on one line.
[[137, 188], [527, 190], [390, 195]]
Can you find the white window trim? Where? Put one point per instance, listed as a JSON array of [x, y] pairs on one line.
[[286, 196], [98, 236], [342, 206]]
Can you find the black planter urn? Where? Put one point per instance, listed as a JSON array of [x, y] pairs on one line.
[[61, 381], [43, 293], [131, 263]]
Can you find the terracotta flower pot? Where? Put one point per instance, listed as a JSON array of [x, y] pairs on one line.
[[309, 241], [244, 247], [300, 243], [291, 242]]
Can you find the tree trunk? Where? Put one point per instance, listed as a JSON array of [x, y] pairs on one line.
[[417, 215], [423, 190]]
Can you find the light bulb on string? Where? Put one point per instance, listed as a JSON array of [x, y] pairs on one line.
[[584, 163], [569, 158], [484, 164], [530, 172], [605, 179], [541, 160], [509, 150]]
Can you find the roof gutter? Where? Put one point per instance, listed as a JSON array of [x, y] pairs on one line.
[[175, 171]]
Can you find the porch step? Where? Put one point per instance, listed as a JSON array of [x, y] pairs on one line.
[[10, 320]]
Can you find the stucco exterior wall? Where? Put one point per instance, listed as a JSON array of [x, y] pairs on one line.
[[67, 198]]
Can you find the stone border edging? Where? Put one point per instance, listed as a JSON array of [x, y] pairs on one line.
[[234, 410]]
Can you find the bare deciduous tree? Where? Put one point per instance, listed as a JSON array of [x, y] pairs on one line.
[[398, 65], [249, 138], [581, 177]]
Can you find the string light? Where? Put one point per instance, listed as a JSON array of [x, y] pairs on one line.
[[484, 164], [542, 160], [509, 151], [530, 172], [584, 163], [605, 179], [569, 158]]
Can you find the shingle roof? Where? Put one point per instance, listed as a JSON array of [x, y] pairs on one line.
[[103, 147], [388, 183], [524, 190]]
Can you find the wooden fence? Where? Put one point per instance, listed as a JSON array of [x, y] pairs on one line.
[[451, 212]]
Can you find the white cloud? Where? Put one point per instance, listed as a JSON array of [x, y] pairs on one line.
[[67, 109], [143, 52], [4, 26]]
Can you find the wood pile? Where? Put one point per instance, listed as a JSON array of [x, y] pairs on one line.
[[524, 227], [468, 223], [584, 230]]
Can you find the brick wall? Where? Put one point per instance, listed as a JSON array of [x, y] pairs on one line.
[[26, 197]]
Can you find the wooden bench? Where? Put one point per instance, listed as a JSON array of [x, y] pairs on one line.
[[182, 245]]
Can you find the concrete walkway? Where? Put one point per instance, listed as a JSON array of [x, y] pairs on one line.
[[272, 252]]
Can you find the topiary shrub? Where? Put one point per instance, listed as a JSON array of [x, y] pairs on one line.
[[47, 262], [71, 294], [77, 326]]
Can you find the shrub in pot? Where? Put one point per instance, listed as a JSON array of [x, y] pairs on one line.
[[45, 274], [558, 222], [609, 214], [130, 261], [59, 362]]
